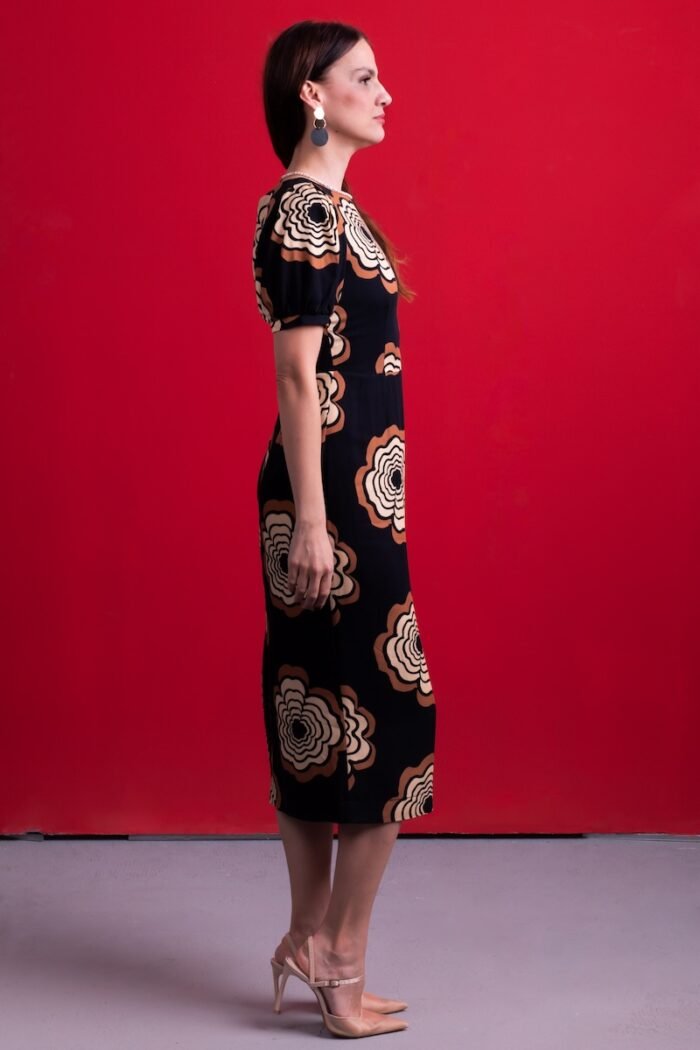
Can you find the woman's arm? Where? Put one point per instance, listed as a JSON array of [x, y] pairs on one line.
[[310, 559]]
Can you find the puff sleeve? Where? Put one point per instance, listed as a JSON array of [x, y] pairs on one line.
[[298, 256]]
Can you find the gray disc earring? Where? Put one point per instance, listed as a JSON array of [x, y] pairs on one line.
[[319, 135]]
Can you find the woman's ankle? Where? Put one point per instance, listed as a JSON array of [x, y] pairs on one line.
[[340, 946], [301, 931]]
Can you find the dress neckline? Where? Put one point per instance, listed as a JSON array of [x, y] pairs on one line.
[[317, 182]]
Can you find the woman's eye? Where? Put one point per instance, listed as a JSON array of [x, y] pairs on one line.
[[365, 79]]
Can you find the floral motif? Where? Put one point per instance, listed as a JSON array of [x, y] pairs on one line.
[[379, 484], [365, 256], [399, 653], [415, 793], [339, 342], [309, 724], [307, 226], [389, 361], [276, 530], [331, 387], [360, 724]]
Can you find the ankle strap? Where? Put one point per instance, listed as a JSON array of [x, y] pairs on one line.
[[333, 982]]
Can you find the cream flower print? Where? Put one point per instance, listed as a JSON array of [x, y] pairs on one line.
[[365, 256], [276, 536], [307, 226], [331, 387], [415, 793], [399, 653], [379, 484], [389, 361], [276, 531], [339, 342], [360, 723], [309, 724]]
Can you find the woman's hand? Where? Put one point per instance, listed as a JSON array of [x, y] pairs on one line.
[[310, 564]]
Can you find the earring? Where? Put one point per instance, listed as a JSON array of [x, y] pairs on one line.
[[319, 135]]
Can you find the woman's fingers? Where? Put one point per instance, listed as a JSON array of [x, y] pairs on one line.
[[324, 588], [310, 571], [312, 590], [319, 589], [301, 584]]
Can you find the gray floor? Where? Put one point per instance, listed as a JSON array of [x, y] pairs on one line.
[[497, 944]]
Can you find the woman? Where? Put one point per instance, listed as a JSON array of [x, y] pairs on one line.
[[347, 700]]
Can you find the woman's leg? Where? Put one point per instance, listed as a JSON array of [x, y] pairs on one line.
[[340, 941], [308, 848]]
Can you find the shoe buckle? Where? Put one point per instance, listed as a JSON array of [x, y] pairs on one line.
[[333, 983]]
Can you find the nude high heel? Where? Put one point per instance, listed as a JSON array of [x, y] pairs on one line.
[[378, 1003], [368, 1022]]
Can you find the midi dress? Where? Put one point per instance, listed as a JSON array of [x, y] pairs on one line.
[[348, 704]]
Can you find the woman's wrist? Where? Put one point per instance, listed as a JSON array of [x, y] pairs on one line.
[[316, 521]]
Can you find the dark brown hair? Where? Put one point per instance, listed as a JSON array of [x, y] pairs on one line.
[[304, 51]]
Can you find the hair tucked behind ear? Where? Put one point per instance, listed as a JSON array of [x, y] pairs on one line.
[[305, 51]]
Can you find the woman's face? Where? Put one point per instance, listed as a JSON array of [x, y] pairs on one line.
[[353, 97]]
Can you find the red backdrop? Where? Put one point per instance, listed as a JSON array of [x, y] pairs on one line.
[[540, 171]]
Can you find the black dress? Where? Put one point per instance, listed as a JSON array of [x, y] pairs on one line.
[[347, 700]]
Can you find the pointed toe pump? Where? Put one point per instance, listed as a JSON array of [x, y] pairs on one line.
[[378, 1003], [366, 1023]]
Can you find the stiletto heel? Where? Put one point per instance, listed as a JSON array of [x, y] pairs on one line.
[[354, 1026], [277, 973], [377, 1003]]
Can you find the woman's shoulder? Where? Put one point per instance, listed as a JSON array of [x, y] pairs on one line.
[[300, 221], [304, 187], [298, 207]]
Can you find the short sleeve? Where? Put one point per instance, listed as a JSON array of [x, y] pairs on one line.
[[298, 256]]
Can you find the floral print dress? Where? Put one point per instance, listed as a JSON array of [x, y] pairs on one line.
[[347, 700]]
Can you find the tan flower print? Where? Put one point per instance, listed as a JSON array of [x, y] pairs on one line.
[[389, 361], [399, 653], [380, 482], [360, 724], [364, 255], [415, 793], [309, 724], [331, 387], [307, 226], [276, 531]]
